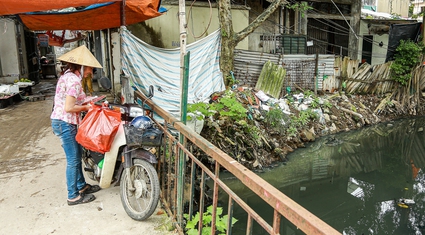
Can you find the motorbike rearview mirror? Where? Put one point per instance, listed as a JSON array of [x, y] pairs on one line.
[[105, 83], [151, 92]]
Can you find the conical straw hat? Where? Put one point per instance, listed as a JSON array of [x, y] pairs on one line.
[[82, 56]]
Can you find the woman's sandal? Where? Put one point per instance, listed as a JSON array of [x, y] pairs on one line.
[[89, 189], [84, 198]]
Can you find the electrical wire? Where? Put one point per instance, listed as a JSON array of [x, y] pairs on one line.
[[345, 19], [337, 27], [332, 24], [346, 34], [309, 37], [341, 28], [190, 15]]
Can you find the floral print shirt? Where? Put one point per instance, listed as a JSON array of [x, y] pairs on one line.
[[68, 84]]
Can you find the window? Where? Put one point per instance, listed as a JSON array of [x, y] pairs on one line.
[[294, 44]]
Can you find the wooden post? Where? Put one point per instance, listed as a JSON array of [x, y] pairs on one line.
[[353, 42], [287, 22], [303, 25], [316, 70]]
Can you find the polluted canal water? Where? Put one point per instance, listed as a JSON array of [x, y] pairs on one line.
[[367, 181]]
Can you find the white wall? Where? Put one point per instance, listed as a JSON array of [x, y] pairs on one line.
[[418, 4], [400, 7], [116, 60], [200, 19], [378, 53], [9, 54]]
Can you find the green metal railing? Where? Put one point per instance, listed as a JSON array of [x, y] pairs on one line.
[[196, 173]]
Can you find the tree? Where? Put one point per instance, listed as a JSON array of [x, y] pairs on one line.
[[229, 38]]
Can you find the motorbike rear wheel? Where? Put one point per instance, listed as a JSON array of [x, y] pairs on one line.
[[139, 190]]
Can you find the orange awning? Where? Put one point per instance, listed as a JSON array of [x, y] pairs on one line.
[[103, 17], [12, 7]]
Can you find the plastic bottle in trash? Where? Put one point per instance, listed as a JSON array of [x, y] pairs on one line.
[[100, 164]]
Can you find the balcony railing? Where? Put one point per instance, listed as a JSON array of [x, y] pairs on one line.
[[177, 164]]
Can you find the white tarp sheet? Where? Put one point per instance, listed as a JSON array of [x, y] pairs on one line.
[[146, 65]]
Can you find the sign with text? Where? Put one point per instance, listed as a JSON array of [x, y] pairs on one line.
[[43, 39]]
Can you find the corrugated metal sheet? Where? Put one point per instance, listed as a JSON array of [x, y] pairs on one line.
[[300, 69], [248, 65]]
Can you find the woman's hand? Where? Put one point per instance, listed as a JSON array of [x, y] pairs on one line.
[[72, 107]]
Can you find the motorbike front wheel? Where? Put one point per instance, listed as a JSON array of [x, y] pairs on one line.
[[139, 190]]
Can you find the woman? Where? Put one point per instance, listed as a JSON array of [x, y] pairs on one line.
[[68, 103]]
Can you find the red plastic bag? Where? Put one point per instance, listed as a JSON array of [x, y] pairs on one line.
[[98, 129]]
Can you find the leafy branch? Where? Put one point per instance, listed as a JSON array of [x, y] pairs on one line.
[[220, 222], [303, 7], [227, 107], [406, 57]]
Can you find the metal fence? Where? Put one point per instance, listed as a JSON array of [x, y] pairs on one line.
[[177, 164], [300, 69]]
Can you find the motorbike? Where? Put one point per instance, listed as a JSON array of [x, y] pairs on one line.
[[130, 161]]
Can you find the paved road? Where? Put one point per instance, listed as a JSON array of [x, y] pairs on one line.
[[33, 187]]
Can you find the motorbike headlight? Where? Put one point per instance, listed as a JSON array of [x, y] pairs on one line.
[[122, 110], [136, 111]]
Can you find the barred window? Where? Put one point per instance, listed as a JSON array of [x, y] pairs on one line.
[[294, 44]]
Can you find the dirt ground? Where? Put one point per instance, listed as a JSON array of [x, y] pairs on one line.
[[32, 181]]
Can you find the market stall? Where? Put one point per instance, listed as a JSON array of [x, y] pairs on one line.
[[9, 94], [48, 66]]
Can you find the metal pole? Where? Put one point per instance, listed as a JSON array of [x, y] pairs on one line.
[[423, 31], [182, 156], [123, 13], [123, 23], [1, 70], [185, 88], [316, 71], [183, 108]]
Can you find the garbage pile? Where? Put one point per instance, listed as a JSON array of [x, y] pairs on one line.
[[258, 129], [266, 129]]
